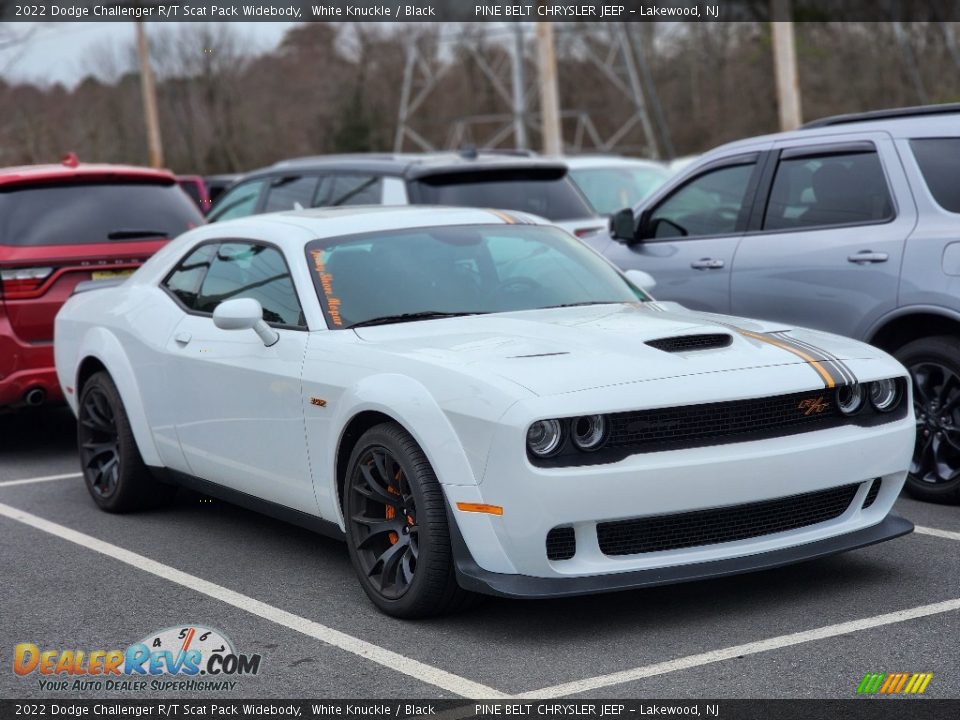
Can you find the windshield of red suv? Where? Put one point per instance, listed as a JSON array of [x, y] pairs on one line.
[[79, 213], [548, 193]]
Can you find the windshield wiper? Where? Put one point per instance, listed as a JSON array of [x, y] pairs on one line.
[[411, 317], [130, 234]]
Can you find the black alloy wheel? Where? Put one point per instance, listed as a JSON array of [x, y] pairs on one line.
[[113, 469], [99, 443], [397, 532], [934, 365]]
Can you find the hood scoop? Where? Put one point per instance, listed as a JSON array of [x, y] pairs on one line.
[[689, 343]]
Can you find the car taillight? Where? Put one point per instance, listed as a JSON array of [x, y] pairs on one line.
[[23, 280]]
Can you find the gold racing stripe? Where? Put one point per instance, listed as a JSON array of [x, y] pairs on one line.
[[503, 216], [817, 364]]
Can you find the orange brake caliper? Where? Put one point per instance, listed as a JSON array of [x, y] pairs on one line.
[[391, 511]]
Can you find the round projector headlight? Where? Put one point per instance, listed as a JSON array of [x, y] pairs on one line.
[[885, 394], [589, 432], [545, 437], [850, 398]]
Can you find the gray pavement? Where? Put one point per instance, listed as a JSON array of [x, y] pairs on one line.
[[59, 594]]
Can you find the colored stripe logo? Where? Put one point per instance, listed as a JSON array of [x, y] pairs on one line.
[[894, 683]]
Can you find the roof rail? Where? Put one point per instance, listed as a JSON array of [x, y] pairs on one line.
[[890, 114]]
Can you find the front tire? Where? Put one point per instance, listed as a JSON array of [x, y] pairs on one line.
[[396, 521], [113, 470], [934, 365]]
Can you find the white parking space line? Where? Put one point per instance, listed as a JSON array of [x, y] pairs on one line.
[[774, 643], [45, 478], [937, 532], [389, 659]]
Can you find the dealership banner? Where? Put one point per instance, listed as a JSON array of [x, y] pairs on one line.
[[474, 11], [488, 709]]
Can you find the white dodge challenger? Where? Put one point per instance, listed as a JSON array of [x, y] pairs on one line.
[[477, 403]]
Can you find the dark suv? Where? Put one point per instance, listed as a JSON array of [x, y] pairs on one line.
[[505, 182]]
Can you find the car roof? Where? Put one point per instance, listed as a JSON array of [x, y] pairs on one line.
[[359, 219], [409, 165], [912, 122], [84, 172]]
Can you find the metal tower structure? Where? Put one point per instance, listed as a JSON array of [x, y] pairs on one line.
[[620, 64]]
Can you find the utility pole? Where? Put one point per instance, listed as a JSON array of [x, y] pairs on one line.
[[549, 95], [785, 65], [519, 102], [149, 91]]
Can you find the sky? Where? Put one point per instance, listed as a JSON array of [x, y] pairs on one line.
[[60, 52]]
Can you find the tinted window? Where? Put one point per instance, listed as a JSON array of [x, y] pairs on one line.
[[547, 195], [350, 190], [939, 161], [192, 189], [238, 202], [287, 193], [619, 186], [708, 205], [90, 213], [474, 269], [251, 271], [828, 190], [184, 281]]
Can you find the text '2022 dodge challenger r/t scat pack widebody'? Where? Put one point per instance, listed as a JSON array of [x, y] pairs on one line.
[[478, 403]]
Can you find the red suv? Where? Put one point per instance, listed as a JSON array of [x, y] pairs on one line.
[[61, 225]]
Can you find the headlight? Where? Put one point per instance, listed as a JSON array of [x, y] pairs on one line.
[[545, 437], [850, 398], [885, 394], [589, 432]]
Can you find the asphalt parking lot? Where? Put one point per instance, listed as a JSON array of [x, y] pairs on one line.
[[74, 577]]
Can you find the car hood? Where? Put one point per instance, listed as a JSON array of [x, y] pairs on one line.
[[570, 349]]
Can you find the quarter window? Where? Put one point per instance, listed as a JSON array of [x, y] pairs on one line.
[[828, 190], [710, 204], [938, 159], [217, 272]]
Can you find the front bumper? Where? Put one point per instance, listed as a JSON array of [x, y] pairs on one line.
[[472, 577]]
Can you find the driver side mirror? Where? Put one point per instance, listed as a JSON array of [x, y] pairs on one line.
[[244, 314], [623, 227], [641, 279]]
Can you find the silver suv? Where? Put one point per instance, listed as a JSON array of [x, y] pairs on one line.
[[850, 225]]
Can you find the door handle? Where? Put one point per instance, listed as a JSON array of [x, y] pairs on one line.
[[707, 264], [866, 256], [182, 338]]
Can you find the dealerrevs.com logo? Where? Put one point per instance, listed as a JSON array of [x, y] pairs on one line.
[[190, 657]]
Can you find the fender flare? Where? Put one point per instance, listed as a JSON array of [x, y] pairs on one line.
[[411, 405], [904, 311], [103, 345]]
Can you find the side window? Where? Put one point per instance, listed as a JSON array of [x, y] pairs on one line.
[[938, 159], [285, 193], [350, 190], [184, 281], [248, 270], [708, 205], [238, 202], [825, 190]]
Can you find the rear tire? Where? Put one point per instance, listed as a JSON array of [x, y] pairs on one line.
[[397, 533], [113, 469], [934, 365]]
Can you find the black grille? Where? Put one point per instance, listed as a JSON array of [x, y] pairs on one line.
[[872, 493], [716, 423], [561, 543], [685, 343], [738, 522]]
